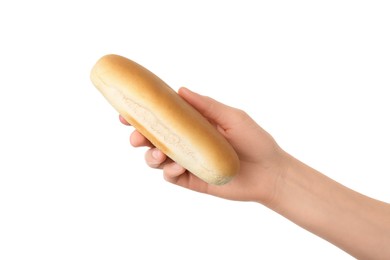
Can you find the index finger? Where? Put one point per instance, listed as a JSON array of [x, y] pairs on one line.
[[123, 121]]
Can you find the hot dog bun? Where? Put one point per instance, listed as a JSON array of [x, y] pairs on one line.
[[163, 117]]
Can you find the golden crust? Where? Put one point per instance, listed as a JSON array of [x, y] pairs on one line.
[[163, 117]]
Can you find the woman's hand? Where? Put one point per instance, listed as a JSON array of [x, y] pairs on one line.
[[262, 161]]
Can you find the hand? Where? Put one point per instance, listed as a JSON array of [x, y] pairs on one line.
[[270, 176], [262, 161]]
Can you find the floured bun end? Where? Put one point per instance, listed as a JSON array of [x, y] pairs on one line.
[[163, 117]]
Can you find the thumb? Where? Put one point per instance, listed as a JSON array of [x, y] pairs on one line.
[[224, 116]]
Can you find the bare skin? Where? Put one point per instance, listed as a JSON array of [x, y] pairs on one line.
[[268, 175]]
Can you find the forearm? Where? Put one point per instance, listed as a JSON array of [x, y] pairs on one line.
[[356, 223]]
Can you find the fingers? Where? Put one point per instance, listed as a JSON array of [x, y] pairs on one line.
[[155, 158], [138, 140], [172, 171], [123, 121], [176, 174]]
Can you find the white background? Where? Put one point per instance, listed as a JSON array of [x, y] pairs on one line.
[[315, 74]]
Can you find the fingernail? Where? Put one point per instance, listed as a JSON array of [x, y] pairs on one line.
[[156, 154], [177, 167]]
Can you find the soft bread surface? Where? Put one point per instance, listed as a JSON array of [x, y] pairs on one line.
[[163, 117]]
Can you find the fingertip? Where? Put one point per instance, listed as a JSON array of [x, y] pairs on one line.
[[158, 155], [137, 139], [123, 120], [173, 170], [183, 90], [186, 93], [194, 99], [154, 158]]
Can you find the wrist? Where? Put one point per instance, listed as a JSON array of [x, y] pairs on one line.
[[293, 180], [275, 179]]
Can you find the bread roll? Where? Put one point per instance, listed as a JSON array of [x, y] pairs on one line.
[[163, 117]]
